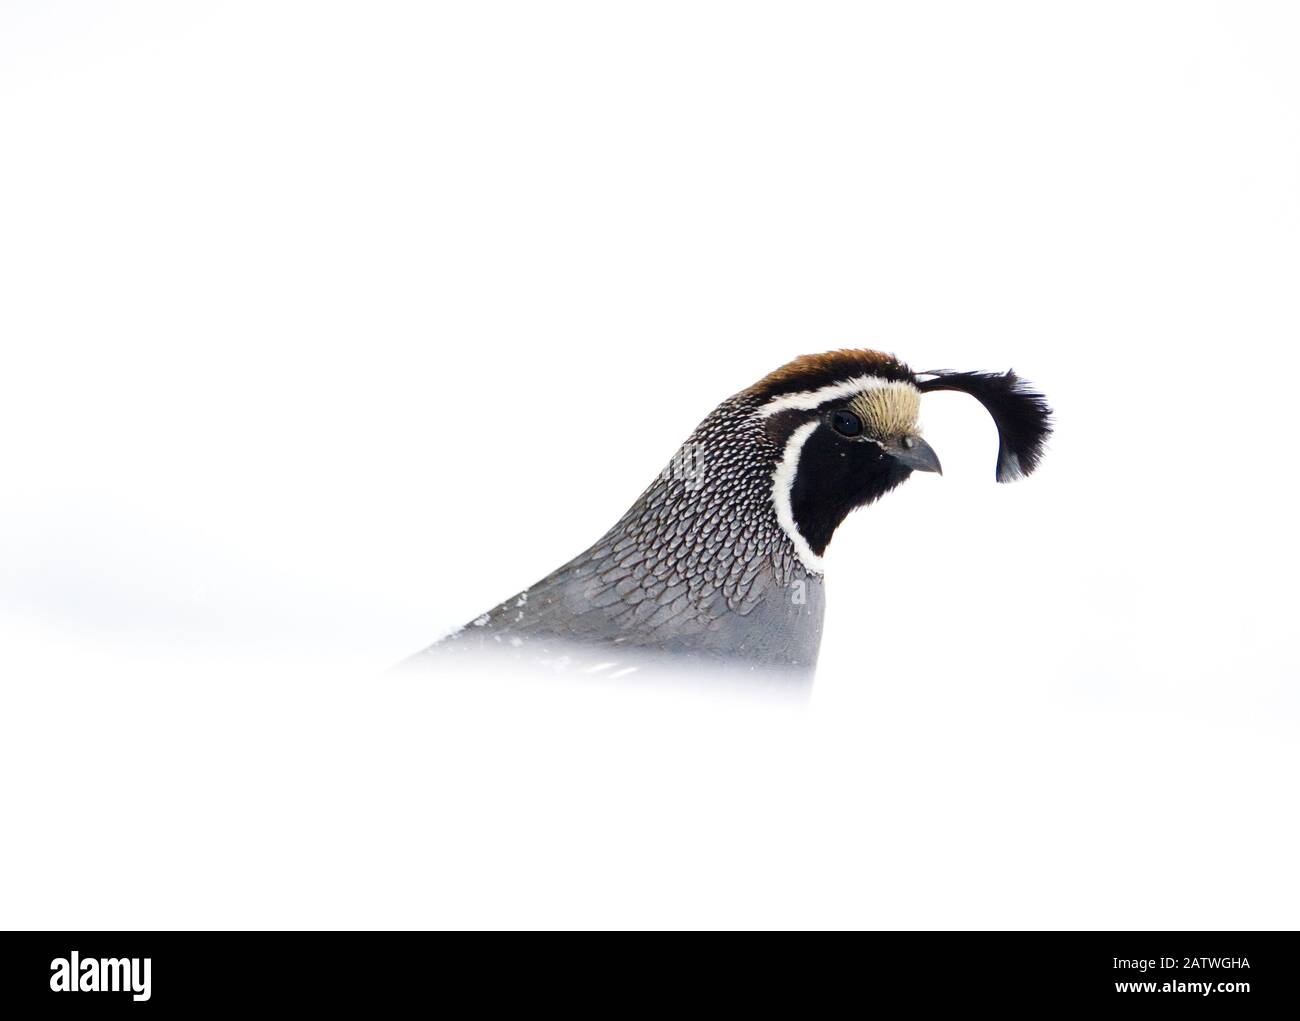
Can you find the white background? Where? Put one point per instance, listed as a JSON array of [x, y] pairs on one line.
[[325, 326]]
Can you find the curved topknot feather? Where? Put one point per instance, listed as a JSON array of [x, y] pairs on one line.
[[1021, 413]]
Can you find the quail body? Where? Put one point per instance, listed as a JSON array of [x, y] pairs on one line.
[[720, 560]]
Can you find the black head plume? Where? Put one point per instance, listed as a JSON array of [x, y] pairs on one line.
[[1021, 414]]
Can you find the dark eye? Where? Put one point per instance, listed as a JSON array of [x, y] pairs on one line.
[[846, 423]]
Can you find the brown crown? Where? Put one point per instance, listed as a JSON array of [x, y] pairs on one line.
[[810, 372]]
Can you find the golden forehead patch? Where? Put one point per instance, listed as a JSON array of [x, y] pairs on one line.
[[891, 410]]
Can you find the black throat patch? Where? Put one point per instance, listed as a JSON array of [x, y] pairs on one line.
[[835, 476]]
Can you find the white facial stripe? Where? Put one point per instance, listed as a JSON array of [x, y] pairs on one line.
[[782, 484], [807, 399]]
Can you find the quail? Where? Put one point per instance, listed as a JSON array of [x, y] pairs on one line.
[[720, 561]]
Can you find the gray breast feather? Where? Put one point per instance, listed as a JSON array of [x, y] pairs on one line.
[[698, 565], [773, 624]]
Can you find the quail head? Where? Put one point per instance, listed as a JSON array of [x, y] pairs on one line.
[[721, 558]]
